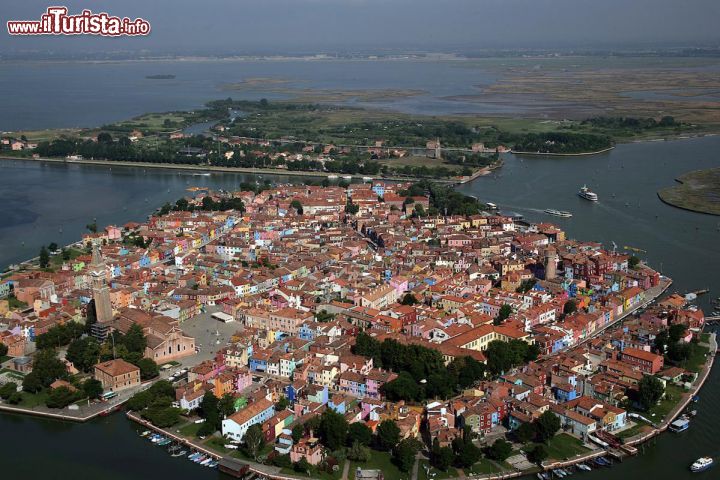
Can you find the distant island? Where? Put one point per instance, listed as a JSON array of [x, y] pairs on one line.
[[160, 77], [698, 191]]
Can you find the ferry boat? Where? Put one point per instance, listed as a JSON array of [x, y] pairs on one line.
[[587, 194], [558, 213], [491, 206], [680, 425], [701, 464]]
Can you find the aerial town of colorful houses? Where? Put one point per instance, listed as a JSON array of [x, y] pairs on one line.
[[298, 287]]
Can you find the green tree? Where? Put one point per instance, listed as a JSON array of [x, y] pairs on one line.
[[254, 441], [7, 390], [226, 405], [83, 353], [134, 340], [500, 450], [282, 404], [3, 350], [148, 368], [209, 411], [409, 299], [302, 466], [92, 227], [537, 454], [441, 457], [525, 432], [92, 388], [547, 425], [650, 390], [333, 430], [633, 261], [503, 314], [53, 247], [404, 452], [359, 432], [32, 383], [297, 432], [359, 452], [387, 435], [90, 314], [47, 368], [500, 357], [570, 307], [297, 206], [60, 397], [676, 332], [44, 257]]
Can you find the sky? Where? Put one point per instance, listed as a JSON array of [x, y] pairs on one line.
[[301, 26]]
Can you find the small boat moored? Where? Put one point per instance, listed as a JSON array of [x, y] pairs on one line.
[[679, 425]]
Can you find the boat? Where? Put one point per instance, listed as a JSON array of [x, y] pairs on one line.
[[347, 177], [540, 476], [701, 464], [558, 213], [162, 443], [213, 464], [206, 461], [587, 194], [145, 433], [332, 177], [491, 206], [680, 425], [367, 179], [584, 467]]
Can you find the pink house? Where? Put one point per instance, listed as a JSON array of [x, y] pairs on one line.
[[113, 232], [309, 449], [243, 379], [400, 284]]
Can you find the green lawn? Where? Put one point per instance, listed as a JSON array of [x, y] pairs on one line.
[[439, 474], [380, 461], [319, 474], [639, 427], [57, 260], [697, 357], [217, 443], [705, 337], [673, 394], [32, 400], [484, 466], [16, 304], [190, 430], [564, 446]]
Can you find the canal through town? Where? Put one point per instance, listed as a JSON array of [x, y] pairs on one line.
[[45, 203]]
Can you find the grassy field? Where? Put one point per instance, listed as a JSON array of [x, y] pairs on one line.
[[380, 461], [636, 429], [190, 430], [673, 394], [564, 446], [435, 474], [698, 191], [484, 466]]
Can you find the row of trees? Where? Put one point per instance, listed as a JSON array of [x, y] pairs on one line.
[[557, 142], [444, 199], [422, 373]]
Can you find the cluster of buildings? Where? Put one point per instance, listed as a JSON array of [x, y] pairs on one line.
[[301, 286]]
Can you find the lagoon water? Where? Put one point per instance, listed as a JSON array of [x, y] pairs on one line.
[[50, 202]]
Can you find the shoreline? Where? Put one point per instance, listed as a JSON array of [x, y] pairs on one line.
[[210, 169], [580, 154]]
